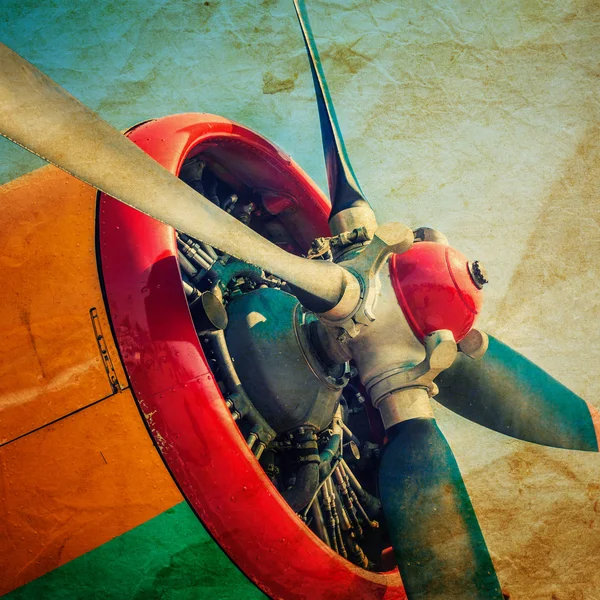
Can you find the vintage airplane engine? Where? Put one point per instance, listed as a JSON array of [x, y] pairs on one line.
[[294, 395], [334, 405], [269, 339]]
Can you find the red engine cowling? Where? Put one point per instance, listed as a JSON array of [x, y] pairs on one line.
[[436, 289], [171, 379]]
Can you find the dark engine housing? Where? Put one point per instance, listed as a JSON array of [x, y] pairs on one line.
[[268, 337]]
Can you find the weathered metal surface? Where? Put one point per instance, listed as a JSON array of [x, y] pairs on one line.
[[481, 121], [50, 362], [75, 485]]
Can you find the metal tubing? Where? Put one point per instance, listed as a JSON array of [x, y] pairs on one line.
[[193, 254], [334, 511], [350, 434], [202, 253], [199, 248], [190, 291], [251, 440], [187, 267], [356, 490], [330, 520], [355, 483], [347, 500], [321, 485], [319, 522], [259, 450], [363, 512], [209, 250]]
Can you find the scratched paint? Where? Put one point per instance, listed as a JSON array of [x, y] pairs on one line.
[[477, 118]]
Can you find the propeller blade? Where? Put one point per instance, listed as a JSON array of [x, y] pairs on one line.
[[435, 535], [508, 393], [344, 189], [46, 120]]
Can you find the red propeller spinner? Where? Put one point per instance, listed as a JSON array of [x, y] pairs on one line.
[[437, 288]]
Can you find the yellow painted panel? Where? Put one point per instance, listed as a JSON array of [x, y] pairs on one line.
[[50, 363], [74, 485]]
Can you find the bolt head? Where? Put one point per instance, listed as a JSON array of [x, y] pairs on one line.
[[478, 273]]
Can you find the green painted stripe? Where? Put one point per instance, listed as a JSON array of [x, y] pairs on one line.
[[169, 557]]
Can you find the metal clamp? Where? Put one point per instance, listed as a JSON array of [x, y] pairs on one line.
[[364, 264]]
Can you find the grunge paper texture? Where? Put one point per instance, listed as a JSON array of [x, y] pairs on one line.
[[478, 118]]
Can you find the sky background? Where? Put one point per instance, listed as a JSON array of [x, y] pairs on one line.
[[480, 119]]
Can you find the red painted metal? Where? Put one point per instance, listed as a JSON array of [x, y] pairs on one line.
[[435, 290], [176, 391]]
